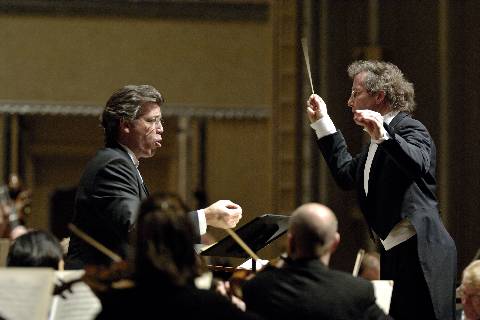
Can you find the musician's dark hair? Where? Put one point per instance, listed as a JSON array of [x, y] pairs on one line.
[[164, 240], [125, 104], [36, 248]]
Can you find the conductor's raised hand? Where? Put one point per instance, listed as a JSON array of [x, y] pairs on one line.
[[316, 108], [371, 121], [223, 214]]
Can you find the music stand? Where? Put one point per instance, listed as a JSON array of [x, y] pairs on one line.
[[257, 234]]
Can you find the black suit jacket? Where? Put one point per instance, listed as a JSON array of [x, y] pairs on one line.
[[307, 289], [160, 302], [401, 185], [106, 205]]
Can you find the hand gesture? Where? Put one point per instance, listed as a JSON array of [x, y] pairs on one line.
[[371, 121], [223, 214], [316, 108]]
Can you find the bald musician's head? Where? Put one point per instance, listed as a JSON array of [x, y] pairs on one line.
[[312, 232]]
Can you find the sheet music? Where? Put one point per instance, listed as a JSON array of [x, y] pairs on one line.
[[383, 293], [26, 293], [80, 303], [247, 265]]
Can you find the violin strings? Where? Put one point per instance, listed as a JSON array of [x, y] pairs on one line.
[[307, 61]]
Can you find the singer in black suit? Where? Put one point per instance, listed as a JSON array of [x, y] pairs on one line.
[[395, 180], [111, 188], [305, 288]]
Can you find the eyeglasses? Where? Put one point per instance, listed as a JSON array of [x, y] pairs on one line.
[[354, 94], [155, 121]]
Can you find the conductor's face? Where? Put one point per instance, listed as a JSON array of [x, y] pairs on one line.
[[360, 97], [144, 134]]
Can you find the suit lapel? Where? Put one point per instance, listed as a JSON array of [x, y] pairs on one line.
[[143, 191], [395, 121], [380, 154]]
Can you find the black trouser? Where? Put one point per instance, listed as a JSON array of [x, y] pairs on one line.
[[410, 297]]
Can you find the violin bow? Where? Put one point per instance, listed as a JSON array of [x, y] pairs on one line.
[[358, 262], [242, 244], [94, 243]]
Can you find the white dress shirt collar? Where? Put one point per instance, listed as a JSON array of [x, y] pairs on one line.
[[132, 155]]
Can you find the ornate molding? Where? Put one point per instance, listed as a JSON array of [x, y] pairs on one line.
[[191, 9], [169, 110]]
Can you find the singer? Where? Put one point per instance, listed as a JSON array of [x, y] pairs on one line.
[[111, 188]]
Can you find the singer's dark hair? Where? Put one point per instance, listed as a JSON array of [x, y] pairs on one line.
[[125, 103]]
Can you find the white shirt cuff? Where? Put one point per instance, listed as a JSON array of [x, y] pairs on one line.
[[202, 221], [384, 137], [323, 127]]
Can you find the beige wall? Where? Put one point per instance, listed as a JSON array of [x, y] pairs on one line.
[[239, 167], [84, 59], [80, 59]]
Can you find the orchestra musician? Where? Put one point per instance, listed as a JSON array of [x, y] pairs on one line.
[[14, 207], [111, 188], [395, 180], [469, 292], [304, 287], [164, 267], [370, 266], [36, 248]]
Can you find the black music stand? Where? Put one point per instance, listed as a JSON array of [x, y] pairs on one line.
[[257, 234]]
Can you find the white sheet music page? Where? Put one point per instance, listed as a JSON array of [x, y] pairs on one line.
[[247, 265], [78, 303], [383, 293], [26, 293]]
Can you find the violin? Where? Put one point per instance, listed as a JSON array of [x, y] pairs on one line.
[[239, 275], [101, 279]]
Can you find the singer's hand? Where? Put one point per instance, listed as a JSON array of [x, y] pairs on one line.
[[316, 108], [223, 214]]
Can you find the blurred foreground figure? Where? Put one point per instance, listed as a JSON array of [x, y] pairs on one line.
[[165, 265], [36, 249]]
